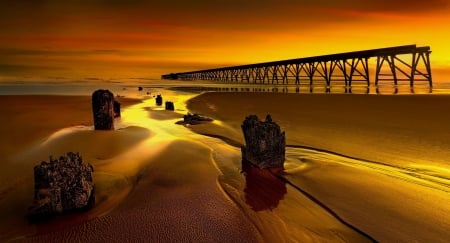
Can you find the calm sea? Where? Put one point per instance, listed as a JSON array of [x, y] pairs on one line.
[[131, 89]]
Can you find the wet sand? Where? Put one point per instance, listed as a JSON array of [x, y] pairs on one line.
[[396, 189], [28, 118], [151, 185], [35, 127], [158, 181]]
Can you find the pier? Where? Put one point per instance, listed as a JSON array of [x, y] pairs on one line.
[[407, 63]]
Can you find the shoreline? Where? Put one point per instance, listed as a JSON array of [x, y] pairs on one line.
[[323, 120], [127, 173], [400, 137], [39, 126], [179, 179]]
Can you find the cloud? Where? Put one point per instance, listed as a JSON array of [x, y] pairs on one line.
[[46, 52], [105, 51], [115, 34], [249, 6], [186, 11], [160, 21], [398, 6], [18, 68]]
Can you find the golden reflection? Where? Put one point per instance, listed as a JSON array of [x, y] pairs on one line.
[[278, 210], [164, 131], [119, 157], [263, 191]]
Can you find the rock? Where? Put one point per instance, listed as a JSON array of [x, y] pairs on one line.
[[61, 186], [103, 109], [170, 106], [116, 109], [265, 143], [194, 119], [159, 100]]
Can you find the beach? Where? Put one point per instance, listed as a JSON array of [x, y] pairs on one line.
[[358, 168], [379, 161]]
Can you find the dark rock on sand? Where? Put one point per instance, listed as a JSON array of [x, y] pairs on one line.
[[265, 143], [193, 119], [61, 185], [103, 109], [170, 106], [159, 100], [116, 109]]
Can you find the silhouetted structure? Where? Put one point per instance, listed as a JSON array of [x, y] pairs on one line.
[[116, 109], [61, 186], [103, 109], [264, 143], [159, 100], [170, 106], [172, 76], [193, 119], [345, 68]]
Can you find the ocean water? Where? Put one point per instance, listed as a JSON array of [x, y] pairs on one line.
[[130, 88]]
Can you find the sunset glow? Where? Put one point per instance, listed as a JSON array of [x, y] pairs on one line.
[[139, 39]]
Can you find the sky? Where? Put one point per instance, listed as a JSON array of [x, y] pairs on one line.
[[136, 39]]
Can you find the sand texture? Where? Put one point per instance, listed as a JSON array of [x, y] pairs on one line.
[[151, 184], [398, 187], [359, 168]]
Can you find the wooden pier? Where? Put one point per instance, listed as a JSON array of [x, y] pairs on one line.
[[393, 64]]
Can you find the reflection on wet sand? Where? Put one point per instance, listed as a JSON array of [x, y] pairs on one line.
[[175, 186], [405, 134], [263, 191]]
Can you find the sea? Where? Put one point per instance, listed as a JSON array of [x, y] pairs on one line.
[[135, 88]]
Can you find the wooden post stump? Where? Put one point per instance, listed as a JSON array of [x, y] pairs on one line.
[[265, 143], [116, 109], [103, 109], [159, 100], [170, 106]]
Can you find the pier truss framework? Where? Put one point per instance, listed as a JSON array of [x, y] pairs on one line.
[[401, 63]]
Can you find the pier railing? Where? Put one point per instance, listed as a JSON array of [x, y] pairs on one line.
[[400, 63]]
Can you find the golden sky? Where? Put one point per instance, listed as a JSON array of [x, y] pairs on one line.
[[76, 39]]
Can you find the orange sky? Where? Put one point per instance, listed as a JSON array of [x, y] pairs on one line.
[[75, 39]]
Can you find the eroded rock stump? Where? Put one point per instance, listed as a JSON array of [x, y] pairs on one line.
[[170, 106], [265, 143], [194, 119], [116, 109], [103, 109], [159, 100], [61, 185]]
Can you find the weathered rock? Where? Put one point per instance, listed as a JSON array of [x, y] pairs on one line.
[[194, 119], [170, 106], [159, 100], [116, 108], [103, 109], [265, 143], [61, 186]]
